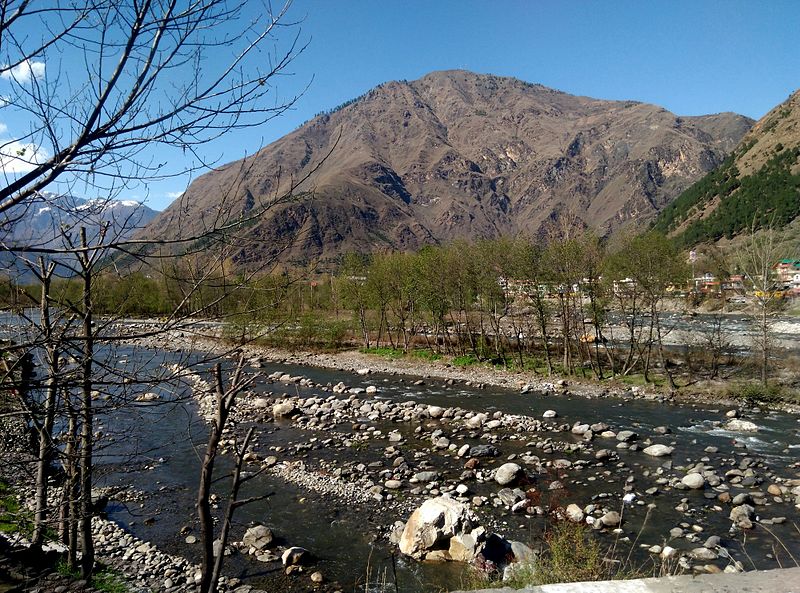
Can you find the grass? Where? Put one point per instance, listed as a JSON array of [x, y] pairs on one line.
[[465, 360], [104, 579], [392, 353], [385, 351], [426, 354], [570, 553], [12, 517], [65, 570], [109, 581]]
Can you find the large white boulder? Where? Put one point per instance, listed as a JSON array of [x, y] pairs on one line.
[[738, 425], [433, 525], [657, 450]]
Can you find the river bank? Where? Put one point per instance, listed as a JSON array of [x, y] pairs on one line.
[[716, 392]]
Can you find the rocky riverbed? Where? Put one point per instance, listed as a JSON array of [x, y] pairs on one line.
[[517, 471], [360, 443]]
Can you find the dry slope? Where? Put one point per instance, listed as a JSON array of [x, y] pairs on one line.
[[457, 154]]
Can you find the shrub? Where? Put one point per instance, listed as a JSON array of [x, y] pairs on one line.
[[759, 393]]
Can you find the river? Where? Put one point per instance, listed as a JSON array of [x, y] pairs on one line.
[[349, 542]]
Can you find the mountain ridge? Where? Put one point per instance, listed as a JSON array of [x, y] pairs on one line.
[[756, 185], [457, 154]]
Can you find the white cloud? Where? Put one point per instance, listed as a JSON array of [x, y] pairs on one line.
[[3, 128], [19, 157], [174, 195], [24, 72]]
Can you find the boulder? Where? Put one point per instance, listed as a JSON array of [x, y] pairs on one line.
[[626, 436], [476, 421], [435, 411], [295, 555], [283, 409], [574, 513], [483, 451], [657, 450], [258, 537], [507, 473], [611, 519], [742, 516], [703, 553], [737, 425], [694, 481], [464, 546], [433, 525]]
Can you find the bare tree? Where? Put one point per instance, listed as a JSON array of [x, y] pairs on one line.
[[109, 82], [225, 399], [105, 92], [756, 257]]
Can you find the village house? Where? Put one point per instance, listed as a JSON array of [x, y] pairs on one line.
[[786, 271]]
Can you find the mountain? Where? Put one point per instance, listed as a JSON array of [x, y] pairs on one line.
[[46, 219], [457, 154], [758, 184]]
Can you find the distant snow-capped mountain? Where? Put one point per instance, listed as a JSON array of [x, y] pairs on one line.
[[53, 220]]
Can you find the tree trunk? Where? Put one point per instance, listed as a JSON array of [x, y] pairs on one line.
[[204, 489], [86, 414], [45, 455]]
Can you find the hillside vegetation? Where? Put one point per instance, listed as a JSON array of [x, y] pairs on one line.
[[758, 184]]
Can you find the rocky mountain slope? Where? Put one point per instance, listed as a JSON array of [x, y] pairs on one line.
[[455, 154], [50, 220], [44, 220], [758, 184]]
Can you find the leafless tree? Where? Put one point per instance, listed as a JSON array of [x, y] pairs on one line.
[[109, 90], [756, 257], [106, 93]]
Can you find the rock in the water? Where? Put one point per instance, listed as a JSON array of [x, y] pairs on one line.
[[483, 451], [694, 481], [550, 414], [507, 473], [742, 516], [283, 409], [737, 425], [703, 554], [626, 436], [657, 450], [436, 520], [574, 513], [295, 555], [611, 519], [258, 537]]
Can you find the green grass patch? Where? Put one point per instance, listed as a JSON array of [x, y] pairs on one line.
[[465, 360], [570, 553], [385, 351], [12, 516], [426, 354], [109, 581], [65, 570]]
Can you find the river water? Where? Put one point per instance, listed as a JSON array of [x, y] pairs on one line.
[[348, 542], [155, 448]]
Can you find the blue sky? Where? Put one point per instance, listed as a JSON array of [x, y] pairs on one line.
[[691, 57]]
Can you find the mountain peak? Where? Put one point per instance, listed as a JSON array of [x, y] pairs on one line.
[[460, 154]]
